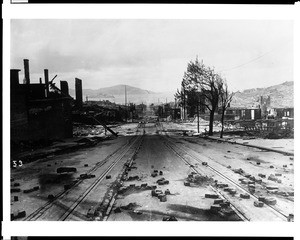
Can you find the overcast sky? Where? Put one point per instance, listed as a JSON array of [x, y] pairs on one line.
[[153, 54]]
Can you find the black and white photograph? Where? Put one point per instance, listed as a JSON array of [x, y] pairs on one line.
[[149, 114], [152, 120]]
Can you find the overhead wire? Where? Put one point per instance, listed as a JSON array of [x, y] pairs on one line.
[[250, 61]]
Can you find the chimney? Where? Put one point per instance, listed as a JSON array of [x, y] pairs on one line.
[[46, 81], [78, 92], [64, 88], [14, 77], [26, 71]]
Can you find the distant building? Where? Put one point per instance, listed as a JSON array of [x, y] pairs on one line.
[[238, 113], [265, 104], [279, 113]]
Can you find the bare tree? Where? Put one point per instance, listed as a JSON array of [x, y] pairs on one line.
[[208, 83], [225, 99]]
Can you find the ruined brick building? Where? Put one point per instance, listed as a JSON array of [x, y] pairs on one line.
[[39, 111]]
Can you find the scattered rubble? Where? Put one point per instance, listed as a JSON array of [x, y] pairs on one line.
[[51, 197], [31, 189], [18, 214], [245, 195], [214, 196], [258, 204], [87, 176], [14, 190]]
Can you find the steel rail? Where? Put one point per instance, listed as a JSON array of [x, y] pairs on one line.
[[41, 210], [238, 212], [233, 182], [95, 183]]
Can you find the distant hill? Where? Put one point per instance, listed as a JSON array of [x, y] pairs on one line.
[[117, 94], [282, 95]]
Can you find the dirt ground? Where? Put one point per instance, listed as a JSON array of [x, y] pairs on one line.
[[171, 155]]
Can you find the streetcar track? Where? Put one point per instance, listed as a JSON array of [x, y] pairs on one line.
[[233, 182], [94, 184], [119, 152], [238, 212]]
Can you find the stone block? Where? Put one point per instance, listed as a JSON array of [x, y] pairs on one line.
[[245, 195], [14, 190], [28, 190], [215, 208], [186, 183], [51, 197], [232, 191], [261, 199], [18, 214], [258, 204], [270, 201], [225, 204], [272, 188], [218, 201], [163, 198], [167, 192], [214, 196], [153, 174]]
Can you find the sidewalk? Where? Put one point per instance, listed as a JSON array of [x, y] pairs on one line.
[[245, 143]]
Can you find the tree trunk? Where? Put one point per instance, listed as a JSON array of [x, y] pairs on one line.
[[198, 126], [222, 122], [211, 122]]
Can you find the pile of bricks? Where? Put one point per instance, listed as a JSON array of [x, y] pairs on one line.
[[267, 200], [232, 191], [31, 189], [221, 185], [239, 171], [159, 194], [132, 178], [162, 181], [18, 214], [245, 195], [273, 178], [219, 204], [262, 175], [258, 204], [87, 176], [213, 196], [155, 173]]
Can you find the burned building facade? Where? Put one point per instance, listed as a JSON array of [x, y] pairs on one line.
[[36, 112]]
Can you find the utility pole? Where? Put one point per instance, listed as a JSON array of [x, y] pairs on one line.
[[126, 112]]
